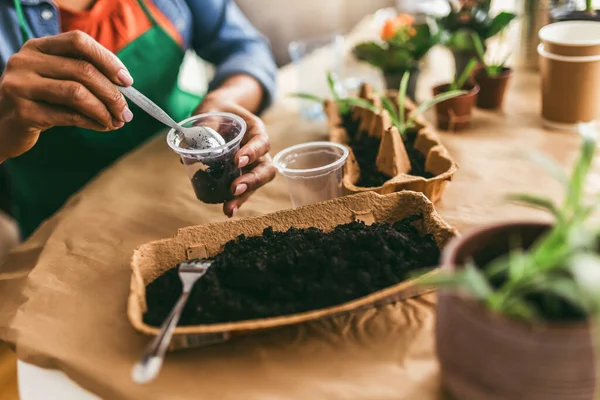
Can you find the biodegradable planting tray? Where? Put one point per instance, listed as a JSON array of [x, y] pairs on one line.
[[151, 260], [393, 154]]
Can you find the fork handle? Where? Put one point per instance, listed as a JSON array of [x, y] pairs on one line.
[[151, 362]]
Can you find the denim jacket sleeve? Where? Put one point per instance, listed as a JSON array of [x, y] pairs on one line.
[[216, 29], [223, 36]]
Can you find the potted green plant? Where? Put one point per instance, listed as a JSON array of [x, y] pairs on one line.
[[492, 78], [570, 12], [464, 20], [456, 113], [518, 300], [403, 44]]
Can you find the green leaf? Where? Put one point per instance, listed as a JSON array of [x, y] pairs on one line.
[[431, 102], [581, 169], [586, 272], [539, 202], [517, 261], [516, 307], [387, 57], [479, 47], [500, 22], [307, 96], [458, 84], [469, 279], [333, 86], [461, 40], [391, 109], [476, 282], [402, 95], [371, 52], [355, 102]]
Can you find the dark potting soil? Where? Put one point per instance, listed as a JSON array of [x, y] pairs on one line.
[[281, 273], [549, 306], [417, 159], [563, 15], [212, 182], [366, 148]]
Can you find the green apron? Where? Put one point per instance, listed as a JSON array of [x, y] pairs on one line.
[[66, 158]]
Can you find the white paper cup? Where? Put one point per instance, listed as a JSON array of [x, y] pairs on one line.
[[313, 171]]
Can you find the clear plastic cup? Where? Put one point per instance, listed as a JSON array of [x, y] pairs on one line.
[[313, 171], [211, 170]]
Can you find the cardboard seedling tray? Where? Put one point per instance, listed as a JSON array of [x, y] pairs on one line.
[[392, 158], [151, 260]]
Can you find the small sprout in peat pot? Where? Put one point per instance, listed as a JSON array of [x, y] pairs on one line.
[[398, 111], [459, 83], [454, 113], [343, 102], [492, 78]]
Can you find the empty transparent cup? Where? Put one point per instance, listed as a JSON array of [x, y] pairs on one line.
[[313, 171], [211, 169]]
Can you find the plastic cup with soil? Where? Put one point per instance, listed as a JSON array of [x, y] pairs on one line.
[[211, 169], [456, 113], [491, 88], [313, 171]]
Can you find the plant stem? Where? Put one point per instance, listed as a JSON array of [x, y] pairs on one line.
[[589, 7]]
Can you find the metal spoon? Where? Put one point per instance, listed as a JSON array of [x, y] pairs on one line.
[[149, 366], [197, 137]]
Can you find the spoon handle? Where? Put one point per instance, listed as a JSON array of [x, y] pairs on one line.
[[149, 106]]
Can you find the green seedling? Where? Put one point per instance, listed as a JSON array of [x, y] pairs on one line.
[[398, 111], [493, 68], [459, 83], [344, 104]]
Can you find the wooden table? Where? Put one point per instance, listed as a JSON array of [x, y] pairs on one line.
[[385, 353]]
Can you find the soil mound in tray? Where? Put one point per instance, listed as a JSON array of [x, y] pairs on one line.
[[417, 159], [282, 273], [365, 151], [366, 148]]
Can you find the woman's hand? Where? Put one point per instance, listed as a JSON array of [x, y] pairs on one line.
[[256, 164], [63, 80]]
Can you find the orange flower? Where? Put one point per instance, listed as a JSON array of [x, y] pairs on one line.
[[405, 19], [389, 29], [393, 25]]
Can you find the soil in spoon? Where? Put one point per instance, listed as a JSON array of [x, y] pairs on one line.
[[280, 273]]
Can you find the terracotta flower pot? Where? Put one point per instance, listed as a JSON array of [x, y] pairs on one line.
[[485, 356], [456, 113], [491, 88], [392, 81]]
